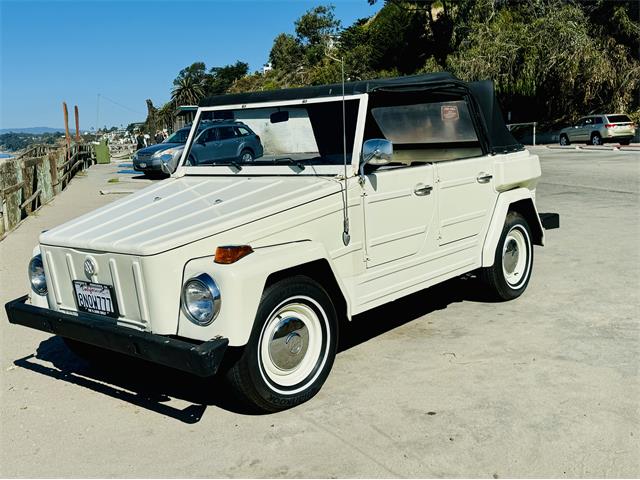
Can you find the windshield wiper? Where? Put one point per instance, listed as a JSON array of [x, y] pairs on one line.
[[231, 163], [289, 161]]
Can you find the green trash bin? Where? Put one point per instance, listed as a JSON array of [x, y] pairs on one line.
[[102, 153]]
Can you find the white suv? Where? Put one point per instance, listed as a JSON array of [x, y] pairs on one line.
[[366, 192]]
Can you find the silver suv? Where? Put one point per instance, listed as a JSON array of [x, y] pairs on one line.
[[598, 129]]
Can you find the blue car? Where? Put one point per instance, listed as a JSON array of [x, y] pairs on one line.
[[217, 140]]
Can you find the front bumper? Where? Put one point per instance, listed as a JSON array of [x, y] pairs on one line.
[[149, 166], [202, 359]]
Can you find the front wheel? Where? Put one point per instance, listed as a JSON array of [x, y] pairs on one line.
[[509, 275], [291, 349]]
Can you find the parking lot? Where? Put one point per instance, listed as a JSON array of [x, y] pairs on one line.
[[440, 383]]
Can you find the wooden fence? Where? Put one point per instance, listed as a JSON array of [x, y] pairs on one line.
[[35, 177]]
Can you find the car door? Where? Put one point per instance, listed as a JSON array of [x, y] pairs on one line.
[[575, 133], [205, 148], [465, 198], [398, 210], [229, 142]]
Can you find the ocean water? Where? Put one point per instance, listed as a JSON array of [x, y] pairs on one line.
[[5, 155]]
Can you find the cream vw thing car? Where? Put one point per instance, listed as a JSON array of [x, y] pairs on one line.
[[366, 192]]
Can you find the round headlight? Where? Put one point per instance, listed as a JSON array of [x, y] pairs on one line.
[[201, 299], [36, 275]]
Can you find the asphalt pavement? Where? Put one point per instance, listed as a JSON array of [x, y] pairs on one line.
[[441, 383]]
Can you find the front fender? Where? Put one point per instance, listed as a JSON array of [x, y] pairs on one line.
[[521, 200], [241, 285]]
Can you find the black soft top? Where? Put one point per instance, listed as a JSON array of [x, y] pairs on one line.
[[497, 138]]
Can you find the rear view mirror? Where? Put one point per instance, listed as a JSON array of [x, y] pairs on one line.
[[279, 117]]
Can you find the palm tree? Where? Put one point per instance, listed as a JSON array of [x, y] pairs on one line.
[[167, 114], [187, 90]]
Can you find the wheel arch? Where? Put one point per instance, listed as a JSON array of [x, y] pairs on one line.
[[243, 283], [520, 200], [319, 270]]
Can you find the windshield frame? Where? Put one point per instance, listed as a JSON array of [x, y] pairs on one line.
[[332, 170]]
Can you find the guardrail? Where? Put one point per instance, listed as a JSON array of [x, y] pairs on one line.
[[33, 178]]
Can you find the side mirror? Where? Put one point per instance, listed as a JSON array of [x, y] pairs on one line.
[[376, 151], [279, 117]]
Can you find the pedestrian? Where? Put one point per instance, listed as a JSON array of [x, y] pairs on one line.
[[139, 141], [159, 137]]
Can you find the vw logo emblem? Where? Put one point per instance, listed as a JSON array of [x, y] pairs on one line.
[[90, 267]]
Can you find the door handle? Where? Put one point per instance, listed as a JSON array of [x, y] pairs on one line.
[[421, 189], [484, 177]]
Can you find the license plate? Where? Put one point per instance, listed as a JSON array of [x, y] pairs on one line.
[[95, 298], [143, 165]]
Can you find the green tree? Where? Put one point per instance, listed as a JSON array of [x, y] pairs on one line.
[[188, 90], [197, 71], [166, 115], [286, 53], [220, 79]]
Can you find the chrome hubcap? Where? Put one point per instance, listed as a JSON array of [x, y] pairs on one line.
[[289, 343], [515, 261], [292, 345], [246, 157], [511, 254]]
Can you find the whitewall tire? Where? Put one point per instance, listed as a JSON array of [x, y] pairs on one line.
[[510, 273], [291, 349]]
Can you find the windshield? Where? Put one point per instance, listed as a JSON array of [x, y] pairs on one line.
[[293, 135], [178, 137]]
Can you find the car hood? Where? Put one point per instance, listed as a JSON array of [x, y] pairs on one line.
[[158, 147], [178, 211]]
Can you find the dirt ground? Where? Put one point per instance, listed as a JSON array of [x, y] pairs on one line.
[[438, 384]]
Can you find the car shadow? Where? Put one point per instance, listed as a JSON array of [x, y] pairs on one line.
[[154, 387], [392, 315]]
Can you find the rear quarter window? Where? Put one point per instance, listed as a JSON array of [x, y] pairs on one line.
[[618, 118]]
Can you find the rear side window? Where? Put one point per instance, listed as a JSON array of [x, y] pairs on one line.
[[424, 132], [618, 118], [598, 120], [426, 123], [242, 132], [226, 133]]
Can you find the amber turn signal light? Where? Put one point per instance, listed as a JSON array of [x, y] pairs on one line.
[[231, 253]]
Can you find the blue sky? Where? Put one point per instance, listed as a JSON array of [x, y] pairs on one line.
[[127, 52]]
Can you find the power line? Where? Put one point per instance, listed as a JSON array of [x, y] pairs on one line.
[[101, 95]]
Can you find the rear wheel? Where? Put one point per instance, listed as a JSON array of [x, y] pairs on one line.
[[246, 155], [291, 349], [564, 140], [596, 139], [509, 275]]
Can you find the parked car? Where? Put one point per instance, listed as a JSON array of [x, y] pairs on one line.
[[216, 140], [225, 140], [599, 129], [149, 160], [370, 191]]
